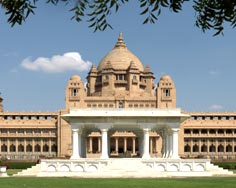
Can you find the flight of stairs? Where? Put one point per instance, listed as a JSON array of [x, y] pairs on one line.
[[219, 171], [119, 168], [127, 168], [33, 171]]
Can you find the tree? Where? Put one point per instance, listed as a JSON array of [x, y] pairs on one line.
[[210, 14]]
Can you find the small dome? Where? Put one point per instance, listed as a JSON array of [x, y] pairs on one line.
[[75, 77], [120, 57], [166, 78]]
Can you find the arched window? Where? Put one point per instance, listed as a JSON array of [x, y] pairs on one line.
[[228, 131], [54, 148], [29, 148], [12, 148], [195, 148], [212, 148], [134, 77], [45, 148], [167, 92], [212, 131], [204, 148], [4, 148], [121, 105], [37, 148], [229, 148], [187, 148], [220, 148], [187, 131], [20, 148], [75, 93]]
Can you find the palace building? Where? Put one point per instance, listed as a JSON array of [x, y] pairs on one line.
[[120, 113]]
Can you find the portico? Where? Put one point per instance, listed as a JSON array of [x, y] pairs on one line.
[[108, 122]]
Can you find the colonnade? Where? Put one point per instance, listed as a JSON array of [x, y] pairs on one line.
[[170, 144], [125, 145], [169, 148]]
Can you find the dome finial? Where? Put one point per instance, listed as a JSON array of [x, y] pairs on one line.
[[120, 42]]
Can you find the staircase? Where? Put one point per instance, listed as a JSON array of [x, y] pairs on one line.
[[127, 168], [219, 171], [33, 171]]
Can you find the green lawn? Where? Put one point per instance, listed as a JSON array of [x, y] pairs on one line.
[[13, 171], [212, 182]]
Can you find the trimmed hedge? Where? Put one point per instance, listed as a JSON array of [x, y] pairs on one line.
[[226, 165], [17, 165]]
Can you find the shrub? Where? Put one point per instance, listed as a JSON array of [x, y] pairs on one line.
[[226, 165], [17, 165]]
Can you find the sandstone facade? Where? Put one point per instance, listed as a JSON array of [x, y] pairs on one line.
[[119, 81]]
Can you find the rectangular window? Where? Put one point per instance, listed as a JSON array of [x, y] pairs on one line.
[[166, 92], [120, 77]]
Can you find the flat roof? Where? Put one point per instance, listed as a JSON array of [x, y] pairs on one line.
[[124, 112]]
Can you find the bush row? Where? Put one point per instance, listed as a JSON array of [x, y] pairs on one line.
[[226, 165], [17, 165]]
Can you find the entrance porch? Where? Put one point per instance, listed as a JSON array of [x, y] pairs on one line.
[[124, 133]]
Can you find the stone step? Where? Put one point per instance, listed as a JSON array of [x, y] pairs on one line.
[[33, 171], [123, 168], [216, 170]]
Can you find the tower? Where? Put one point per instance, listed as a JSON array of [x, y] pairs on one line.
[[75, 93], [166, 93]]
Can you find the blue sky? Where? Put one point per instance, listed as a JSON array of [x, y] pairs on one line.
[[202, 67]]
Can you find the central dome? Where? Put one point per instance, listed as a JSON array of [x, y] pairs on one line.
[[120, 58]]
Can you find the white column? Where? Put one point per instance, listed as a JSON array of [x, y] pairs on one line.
[[171, 146], [90, 144], [151, 145], [75, 144], [163, 146], [116, 141], [167, 146], [125, 144], [80, 143], [146, 144], [99, 144], [133, 148], [175, 144], [104, 154]]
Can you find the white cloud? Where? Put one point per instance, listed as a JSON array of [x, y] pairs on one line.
[[216, 107], [71, 61]]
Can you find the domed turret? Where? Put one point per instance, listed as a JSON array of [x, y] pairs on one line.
[[165, 78], [75, 92], [120, 57], [120, 73], [166, 93], [75, 78]]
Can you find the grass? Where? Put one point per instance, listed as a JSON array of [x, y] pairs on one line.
[[13, 171], [209, 182]]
